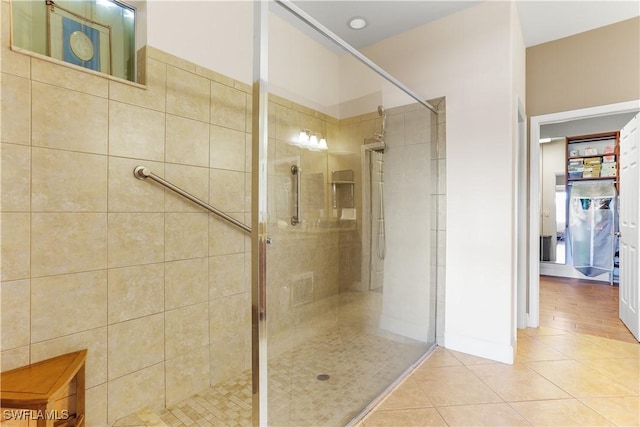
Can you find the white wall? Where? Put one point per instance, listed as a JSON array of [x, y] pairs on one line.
[[218, 35], [362, 90], [301, 69], [214, 34], [475, 61]]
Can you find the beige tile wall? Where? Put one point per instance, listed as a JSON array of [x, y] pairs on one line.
[[93, 258]]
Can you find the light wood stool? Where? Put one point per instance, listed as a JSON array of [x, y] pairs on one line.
[[43, 386]]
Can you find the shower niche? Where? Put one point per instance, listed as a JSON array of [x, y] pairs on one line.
[[343, 195], [343, 174]]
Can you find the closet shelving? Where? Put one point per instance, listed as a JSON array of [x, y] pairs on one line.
[[589, 157], [594, 157]]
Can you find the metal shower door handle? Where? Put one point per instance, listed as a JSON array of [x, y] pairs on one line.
[[295, 219]]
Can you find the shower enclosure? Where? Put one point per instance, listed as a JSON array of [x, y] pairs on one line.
[[347, 233]]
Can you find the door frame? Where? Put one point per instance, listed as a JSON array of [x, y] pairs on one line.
[[628, 283], [521, 224], [533, 318]]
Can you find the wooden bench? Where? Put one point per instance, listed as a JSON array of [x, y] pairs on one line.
[[46, 389]]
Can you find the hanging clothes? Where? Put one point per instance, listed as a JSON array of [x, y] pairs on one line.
[[592, 222]]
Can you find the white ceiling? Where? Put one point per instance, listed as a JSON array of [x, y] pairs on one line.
[[544, 21], [541, 21], [591, 125]]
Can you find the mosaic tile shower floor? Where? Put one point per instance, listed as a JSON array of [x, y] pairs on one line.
[[361, 362]]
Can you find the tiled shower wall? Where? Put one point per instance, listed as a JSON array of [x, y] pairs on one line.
[[415, 195], [154, 288], [439, 217]]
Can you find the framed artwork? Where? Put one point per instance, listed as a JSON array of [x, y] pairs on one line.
[[78, 40]]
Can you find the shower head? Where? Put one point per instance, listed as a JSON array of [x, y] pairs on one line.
[[383, 114], [374, 144]]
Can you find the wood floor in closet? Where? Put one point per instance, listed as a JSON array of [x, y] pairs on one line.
[[582, 306]]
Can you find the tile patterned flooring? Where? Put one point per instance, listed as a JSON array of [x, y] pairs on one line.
[[361, 359], [361, 365], [562, 377]]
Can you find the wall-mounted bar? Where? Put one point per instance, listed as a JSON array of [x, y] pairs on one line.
[[295, 219], [141, 172]]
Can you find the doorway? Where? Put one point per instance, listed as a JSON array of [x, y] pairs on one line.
[[536, 123]]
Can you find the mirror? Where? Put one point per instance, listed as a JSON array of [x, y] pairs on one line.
[[561, 218], [553, 203]]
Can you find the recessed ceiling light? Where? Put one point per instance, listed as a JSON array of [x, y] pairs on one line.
[[357, 23]]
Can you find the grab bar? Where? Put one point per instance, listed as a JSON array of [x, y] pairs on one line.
[[141, 172], [295, 220]]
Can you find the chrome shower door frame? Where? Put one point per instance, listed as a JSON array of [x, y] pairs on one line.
[[259, 214]]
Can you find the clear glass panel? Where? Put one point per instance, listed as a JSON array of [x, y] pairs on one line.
[[352, 268]]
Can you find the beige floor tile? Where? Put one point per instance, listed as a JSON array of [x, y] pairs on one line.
[[491, 414], [530, 349], [454, 385], [623, 371], [622, 349], [580, 347], [468, 359], [567, 412], [579, 380], [405, 418], [517, 382], [440, 357], [406, 395], [622, 411]]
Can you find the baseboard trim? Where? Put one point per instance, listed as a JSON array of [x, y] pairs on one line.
[[504, 353]]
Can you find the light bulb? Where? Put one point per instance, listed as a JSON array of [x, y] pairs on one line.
[[303, 138]]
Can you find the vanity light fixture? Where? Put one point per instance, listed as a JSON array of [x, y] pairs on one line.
[[309, 140], [303, 138]]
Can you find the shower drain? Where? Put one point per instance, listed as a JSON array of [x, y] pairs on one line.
[[323, 377]]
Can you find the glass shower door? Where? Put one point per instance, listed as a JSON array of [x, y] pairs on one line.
[[333, 344]]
